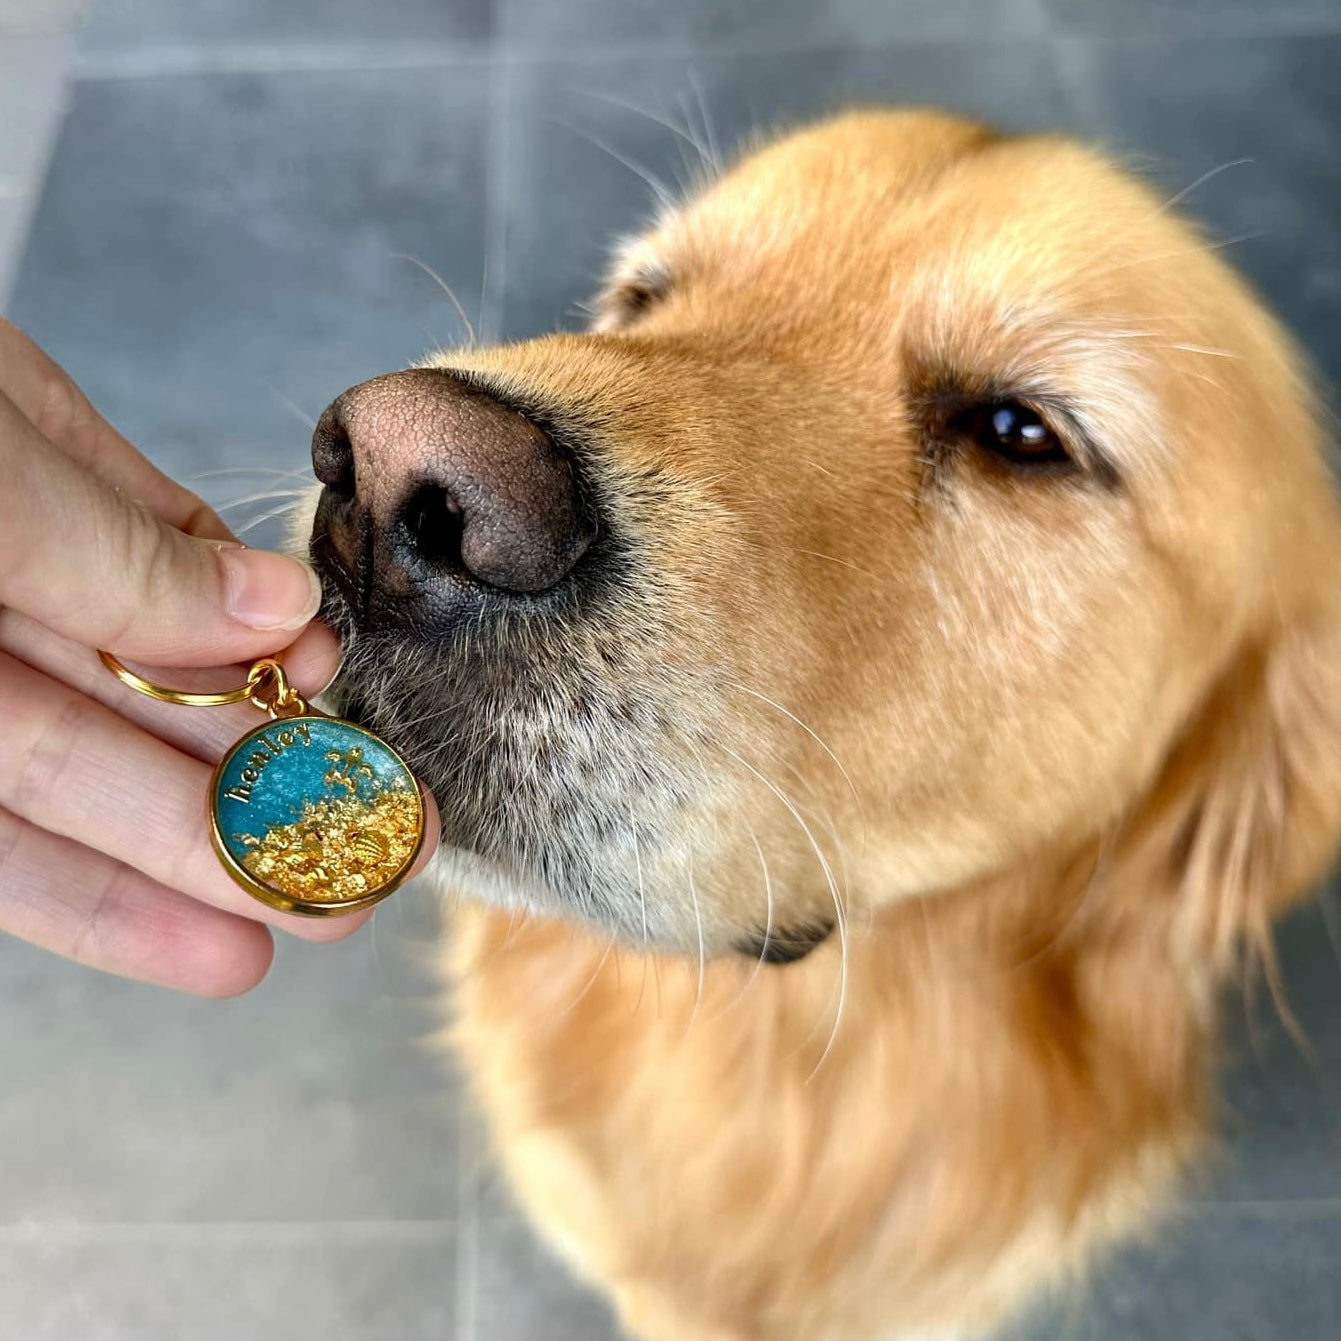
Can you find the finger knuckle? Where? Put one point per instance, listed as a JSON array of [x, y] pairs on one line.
[[10, 829], [141, 549], [159, 546], [180, 866], [60, 407], [90, 934], [46, 764]]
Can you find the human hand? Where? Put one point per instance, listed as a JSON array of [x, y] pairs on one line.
[[104, 840]]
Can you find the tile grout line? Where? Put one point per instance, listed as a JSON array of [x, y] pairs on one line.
[[470, 1216], [295, 58], [465, 1319], [493, 282], [28, 1229], [1256, 1206], [1058, 48], [24, 193], [185, 61]]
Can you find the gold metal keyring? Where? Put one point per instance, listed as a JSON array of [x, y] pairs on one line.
[[266, 686], [308, 813]]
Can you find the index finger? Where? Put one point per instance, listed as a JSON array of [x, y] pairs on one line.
[[48, 398], [97, 566]]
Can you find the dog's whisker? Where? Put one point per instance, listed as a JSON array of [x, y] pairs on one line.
[[696, 175], [443, 285], [700, 172], [684, 134], [1331, 921], [841, 917], [786, 712], [830, 882], [769, 912], [484, 289], [1220, 244], [307, 420], [1203, 349], [810, 553], [1153, 339], [1071, 919], [762, 957], [665, 196], [708, 481], [594, 976], [702, 953], [714, 149], [265, 497], [843, 563], [935, 975], [265, 517], [642, 905], [815, 465], [821, 817], [423, 719], [1201, 181], [297, 474]]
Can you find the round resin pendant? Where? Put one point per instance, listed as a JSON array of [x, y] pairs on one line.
[[314, 815]]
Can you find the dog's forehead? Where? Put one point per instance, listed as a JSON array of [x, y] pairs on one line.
[[877, 201], [859, 159]]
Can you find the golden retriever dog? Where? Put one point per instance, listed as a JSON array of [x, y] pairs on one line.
[[878, 683]]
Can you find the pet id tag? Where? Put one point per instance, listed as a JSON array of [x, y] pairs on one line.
[[308, 813]]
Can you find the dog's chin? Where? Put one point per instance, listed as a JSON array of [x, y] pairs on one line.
[[532, 814]]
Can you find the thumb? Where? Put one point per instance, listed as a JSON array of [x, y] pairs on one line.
[[97, 566]]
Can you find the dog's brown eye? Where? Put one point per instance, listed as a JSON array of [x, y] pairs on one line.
[[1012, 431]]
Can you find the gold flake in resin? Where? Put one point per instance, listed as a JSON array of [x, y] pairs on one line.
[[339, 849]]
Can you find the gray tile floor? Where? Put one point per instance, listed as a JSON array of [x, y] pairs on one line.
[[216, 248]]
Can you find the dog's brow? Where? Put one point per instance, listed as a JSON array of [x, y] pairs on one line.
[[1065, 415]]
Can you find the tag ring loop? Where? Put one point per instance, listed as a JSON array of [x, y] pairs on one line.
[[266, 686]]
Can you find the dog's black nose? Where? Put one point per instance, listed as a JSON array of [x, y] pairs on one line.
[[433, 487]]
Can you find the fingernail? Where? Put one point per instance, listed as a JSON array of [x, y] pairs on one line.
[[268, 591]]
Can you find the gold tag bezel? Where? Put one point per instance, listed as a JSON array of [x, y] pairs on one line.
[[285, 903]]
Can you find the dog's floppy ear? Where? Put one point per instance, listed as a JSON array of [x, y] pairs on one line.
[[1247, 812]]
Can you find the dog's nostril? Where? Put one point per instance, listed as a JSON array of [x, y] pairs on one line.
[[333, 455], [446, 491], [435, 524]]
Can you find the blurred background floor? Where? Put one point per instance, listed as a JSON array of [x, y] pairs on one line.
[[205, 211]]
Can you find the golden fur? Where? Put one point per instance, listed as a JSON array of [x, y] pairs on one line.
[[1048, 750]]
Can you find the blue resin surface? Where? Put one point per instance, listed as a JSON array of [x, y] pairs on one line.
[[273, 770]]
